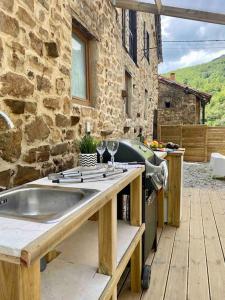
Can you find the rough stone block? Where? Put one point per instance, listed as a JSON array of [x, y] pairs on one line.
[[37, 130], [74, 120], [5, 178], [43, 84], [25, 174], [18, 47], [9, 25], [70, 134], [51, 103], [39, 154], [62, 121], [15, 85], [25, 17], [7, 4], [10, 145], [31, 107], [48, 168], [60, 86], [16, 106], [64, 70], [59, 149], [52, 49], [36, 43]]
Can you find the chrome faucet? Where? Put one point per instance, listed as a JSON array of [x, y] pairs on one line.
[[7, 119]]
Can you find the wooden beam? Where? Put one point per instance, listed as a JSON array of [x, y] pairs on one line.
[[136, 220], [177, 12], [107, 228], [19, 282], [160, 208], [159, 5]]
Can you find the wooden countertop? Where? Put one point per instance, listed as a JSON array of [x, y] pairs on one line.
[[178, 152], [24, 241]]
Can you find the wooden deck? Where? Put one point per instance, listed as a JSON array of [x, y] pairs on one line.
[[189, 263]]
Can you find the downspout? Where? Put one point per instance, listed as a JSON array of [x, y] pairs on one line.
[[203, 111]]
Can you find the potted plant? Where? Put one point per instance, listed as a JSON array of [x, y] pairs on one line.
[[88, 154]]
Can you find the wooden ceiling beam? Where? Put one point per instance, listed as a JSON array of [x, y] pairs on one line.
[[170, 11], [159, 5]]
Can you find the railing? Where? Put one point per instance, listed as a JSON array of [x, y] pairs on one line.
[[198, 140]]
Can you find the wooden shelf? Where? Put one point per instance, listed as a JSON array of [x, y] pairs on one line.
[[73, 274]]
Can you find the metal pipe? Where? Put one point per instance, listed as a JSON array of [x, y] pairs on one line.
[[7, 120]]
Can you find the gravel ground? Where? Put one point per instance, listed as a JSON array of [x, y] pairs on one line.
[[199, 175]]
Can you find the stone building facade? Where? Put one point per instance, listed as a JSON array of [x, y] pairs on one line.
[[35, 82], [180, 104]]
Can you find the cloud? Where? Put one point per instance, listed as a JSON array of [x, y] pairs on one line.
[[178, 55], [165, 27]]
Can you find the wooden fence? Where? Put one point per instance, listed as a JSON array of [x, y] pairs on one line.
[[198, 140]]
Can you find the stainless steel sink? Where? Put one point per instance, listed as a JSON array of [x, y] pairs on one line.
[[42, 203]]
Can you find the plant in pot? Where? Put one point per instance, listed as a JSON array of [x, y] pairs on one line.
[[88, 154]]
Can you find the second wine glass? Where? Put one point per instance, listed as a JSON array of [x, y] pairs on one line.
[[112, 147]]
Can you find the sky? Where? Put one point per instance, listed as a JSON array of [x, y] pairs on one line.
[[179, 55]]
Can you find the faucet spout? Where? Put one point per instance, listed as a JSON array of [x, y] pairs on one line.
[[7, 120]]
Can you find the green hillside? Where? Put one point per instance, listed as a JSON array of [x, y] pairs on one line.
[[210, 78]]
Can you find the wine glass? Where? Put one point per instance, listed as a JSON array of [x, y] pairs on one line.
[[112, 147], [101, 147]]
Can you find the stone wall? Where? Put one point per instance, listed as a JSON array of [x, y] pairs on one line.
[[35, 85], [183, 110]]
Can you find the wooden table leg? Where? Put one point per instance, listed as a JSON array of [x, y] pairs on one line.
[[175, 183], [160, 208], [136, 220], [19, 282], [108, 238]]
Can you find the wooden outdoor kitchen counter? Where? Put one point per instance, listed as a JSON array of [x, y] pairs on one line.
[[93, 255], [26, 241]]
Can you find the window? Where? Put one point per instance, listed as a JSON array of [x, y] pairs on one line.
[[80, 64], [128, 88], [146, 43], [124, 27], [133, 35]]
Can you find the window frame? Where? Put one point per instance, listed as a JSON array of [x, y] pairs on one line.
[[133, 35], [146, 44], [124, 27], [128, 99], [83, 38]]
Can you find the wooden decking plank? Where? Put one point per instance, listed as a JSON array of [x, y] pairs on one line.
[[160, 266], [215, 259], [179, 263], [219, 215], [218, 205], [197, 278]]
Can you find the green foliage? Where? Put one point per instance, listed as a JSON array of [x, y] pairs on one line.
[[87, 144], [209, 78]]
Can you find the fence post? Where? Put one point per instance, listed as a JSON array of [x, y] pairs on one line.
[[181, 136], [206, 143]]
